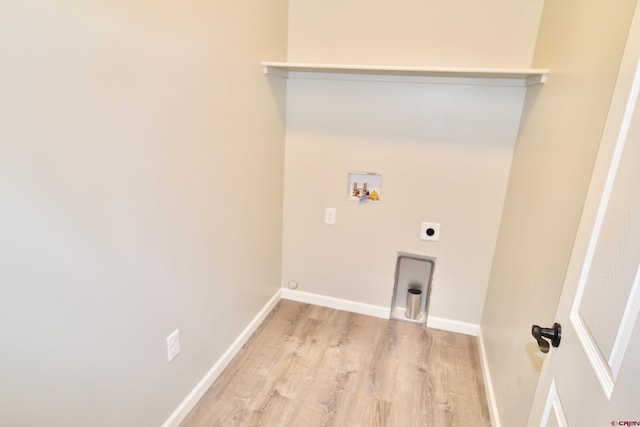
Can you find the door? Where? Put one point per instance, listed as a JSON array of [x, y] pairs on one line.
[[593, 377]]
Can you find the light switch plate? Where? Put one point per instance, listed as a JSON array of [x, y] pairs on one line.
[[330, 216]]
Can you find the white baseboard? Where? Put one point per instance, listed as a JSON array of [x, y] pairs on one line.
[[337, 303], [453, 326], [488, 384], [209, 378], [376, 311]]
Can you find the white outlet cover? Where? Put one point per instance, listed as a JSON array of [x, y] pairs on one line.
[[430, 231], [173, 345]]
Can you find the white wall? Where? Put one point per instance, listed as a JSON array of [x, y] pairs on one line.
[[582, 44], [489, 33], [444, 152], [141, 168]]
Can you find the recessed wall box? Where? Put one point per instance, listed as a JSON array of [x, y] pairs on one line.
[[364, 186], [412, 287]]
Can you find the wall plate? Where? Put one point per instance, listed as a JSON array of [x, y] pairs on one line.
[[364, 186], [430, 231]]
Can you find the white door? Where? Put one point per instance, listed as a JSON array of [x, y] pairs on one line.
[[593, 377]]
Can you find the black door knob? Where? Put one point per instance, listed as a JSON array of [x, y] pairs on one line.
[[552, 334]]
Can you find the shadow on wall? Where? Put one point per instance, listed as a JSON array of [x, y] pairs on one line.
[[383, 111], [535, 356], [530, 101], [278, 85]]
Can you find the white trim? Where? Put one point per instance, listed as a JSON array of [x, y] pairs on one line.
[[453, 326], [548, 405], [337, 303], [209, 378], [600, 366], [488, 383], [627, 324], [554, 403], [558, 410], [375, 311], [497, 76]]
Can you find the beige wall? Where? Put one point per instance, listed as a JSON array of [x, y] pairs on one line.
[[490, 33], [444, 152], [582, 44], [141, 167]]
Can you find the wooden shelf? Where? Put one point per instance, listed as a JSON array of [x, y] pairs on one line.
[[507, 76]]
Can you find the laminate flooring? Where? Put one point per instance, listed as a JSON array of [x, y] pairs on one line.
[[312, 366]]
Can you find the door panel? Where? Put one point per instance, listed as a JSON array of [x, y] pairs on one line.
[[553, 412], [604, 309], [611, 269]]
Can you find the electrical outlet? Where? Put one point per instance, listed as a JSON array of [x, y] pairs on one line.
[[173, 345], [330, 216], [430, 231]]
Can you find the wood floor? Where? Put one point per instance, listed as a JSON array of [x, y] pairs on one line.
[[311, 366]]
